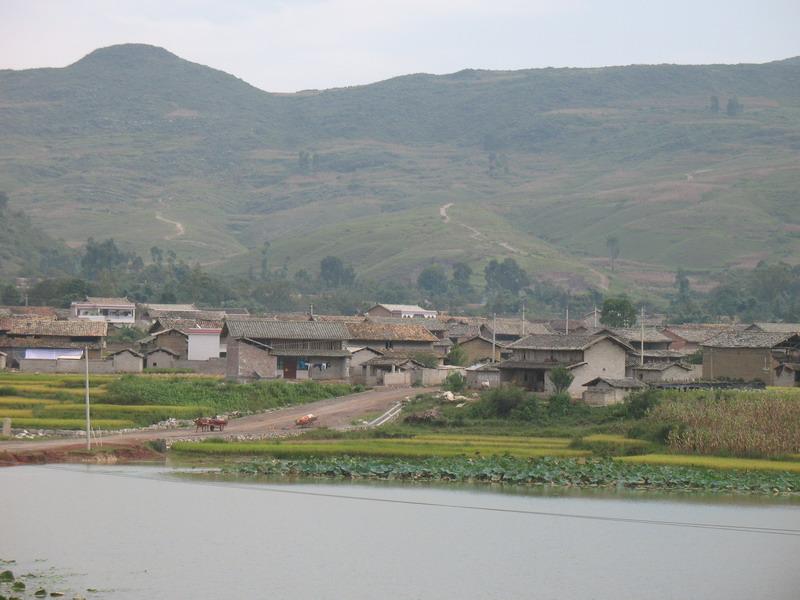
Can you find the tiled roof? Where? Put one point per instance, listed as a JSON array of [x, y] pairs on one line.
[[634, 335], [309, 353], [206, 315], [659, 366], [106, 301], [429, 324], [45, 312], [389, 361], [271, 329], [696, 334], [515, 327], [488, 340], [369, 330], [527, 364], [747, 339], [170, 307], [47, 327], [167, 323], [126, 350], [625, 384], [572, 341], [776, 327]]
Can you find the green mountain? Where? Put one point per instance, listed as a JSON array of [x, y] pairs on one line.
[[544, 165], [26, 249]]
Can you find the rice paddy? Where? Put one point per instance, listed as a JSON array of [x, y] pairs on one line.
[[714, 462]]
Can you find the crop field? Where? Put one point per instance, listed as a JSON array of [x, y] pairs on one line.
[[43, 401], [714, 462], [416, 447]]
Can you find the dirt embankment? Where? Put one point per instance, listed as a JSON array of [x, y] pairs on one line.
[[334, 413]]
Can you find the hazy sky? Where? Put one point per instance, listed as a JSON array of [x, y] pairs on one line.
[[290, 45]]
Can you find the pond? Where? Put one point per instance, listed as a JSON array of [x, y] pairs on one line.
[[145, 532]]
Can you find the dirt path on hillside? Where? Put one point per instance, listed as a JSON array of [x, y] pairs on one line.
[[443, 212], [179, 228], [334, 413], [603, 280]]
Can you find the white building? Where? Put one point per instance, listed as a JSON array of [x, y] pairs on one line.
[[117, 311], [203, 343], [404, 311]]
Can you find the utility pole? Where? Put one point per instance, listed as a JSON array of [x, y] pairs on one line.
[[523, 318], [86, 389], [566, 323], [494, 337], [641, 341], [595, 316]]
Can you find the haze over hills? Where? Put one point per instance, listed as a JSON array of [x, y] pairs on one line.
[[134, 143]]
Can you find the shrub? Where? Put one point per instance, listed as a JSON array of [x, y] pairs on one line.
[[561, 379], [457, 356], [503, 400], [527, 410], [426, 359], [455, 382], [559, 405], [639, 404], [7, 390]]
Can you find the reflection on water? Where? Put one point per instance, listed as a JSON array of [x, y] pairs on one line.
[[146, 533]]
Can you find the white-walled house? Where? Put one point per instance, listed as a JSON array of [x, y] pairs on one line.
[[115, 311], [203, 343], [586, 356]]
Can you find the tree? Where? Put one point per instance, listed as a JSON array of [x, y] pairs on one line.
[[335, 273], [612, 243], [157, 255], [462, 273], [9, 295], [506, 275], [618, 312], [433, 280], [734, 107], [3, 201], [714, 104], [561, 379], [457, 356], [264, 260], [102, 256]]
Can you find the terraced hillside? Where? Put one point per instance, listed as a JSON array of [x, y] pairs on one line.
[[543, 165]]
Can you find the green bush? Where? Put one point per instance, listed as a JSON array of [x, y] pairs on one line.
[[639, 404], [7, 390], [559, 405], [503, 400], [527, 410], [455, 382]]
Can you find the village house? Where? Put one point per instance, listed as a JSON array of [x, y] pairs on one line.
[[404, 311], [391, 369], [3, 357], [480, 349], [31, 312], [126, 361], [664, 371], [482, 376], [570, 326], [653, 339], [511, 330], [161, 358], [303, 349], [46, 339], [174, 340], [687, 338], [765, 327], [586, 356], [114, 311], [203, 343], [248, 359], [408, 338], [753, 356], [604, 391]]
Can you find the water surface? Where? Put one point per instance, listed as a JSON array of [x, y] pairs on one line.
[[144, 532]]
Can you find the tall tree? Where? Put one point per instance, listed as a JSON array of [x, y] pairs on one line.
[[714, 104], [612, 244], [618, 312], [3, 201], [433, 280], [334, 273], [462, 273], [506, 275]]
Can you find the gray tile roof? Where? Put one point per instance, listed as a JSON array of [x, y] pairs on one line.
[[634, 334], [625, 384], [747, 339], [776, 327], [573, 341], [270, 329]]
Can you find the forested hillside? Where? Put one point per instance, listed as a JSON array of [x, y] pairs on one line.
[[667, 166]]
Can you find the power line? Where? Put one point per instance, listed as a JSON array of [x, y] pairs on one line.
[[262, 488]]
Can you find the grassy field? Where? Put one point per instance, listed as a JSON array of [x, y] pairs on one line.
[[36, 401], [715, 462]]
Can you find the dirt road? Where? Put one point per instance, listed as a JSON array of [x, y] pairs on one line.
[[333, 413]]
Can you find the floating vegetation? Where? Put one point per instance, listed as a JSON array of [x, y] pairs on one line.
[[544, 471]]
